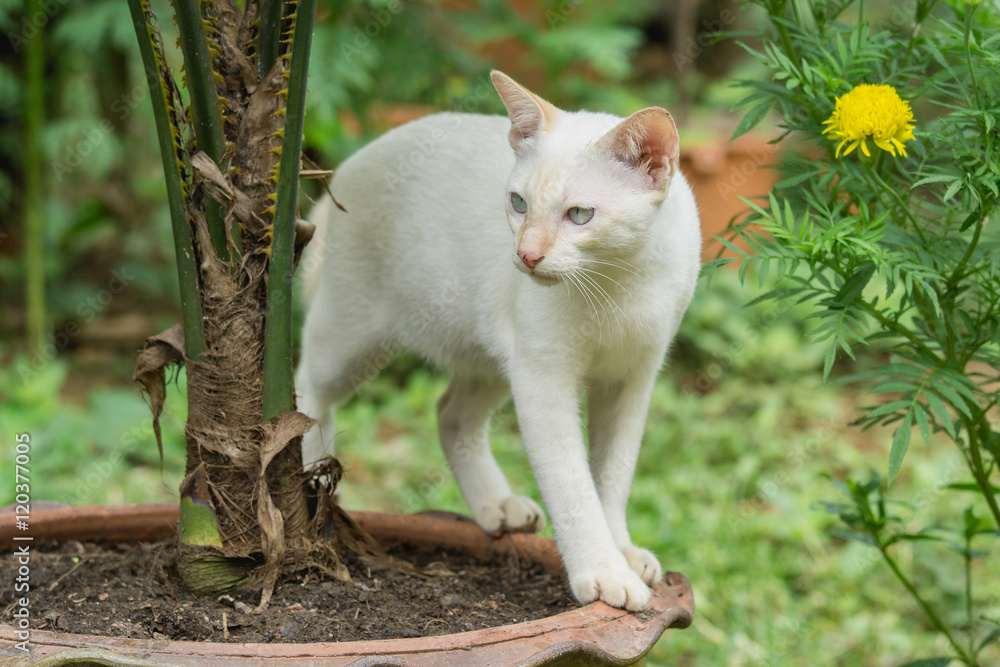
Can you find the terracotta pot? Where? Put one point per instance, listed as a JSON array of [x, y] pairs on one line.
[[722, 172], [593, 635]]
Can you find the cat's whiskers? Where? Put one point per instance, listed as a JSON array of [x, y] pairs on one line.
[[602, 296], [588, 294], [595, 289], [598, 294], [606, 277], [573, 278], [607, 295], [624, 266]]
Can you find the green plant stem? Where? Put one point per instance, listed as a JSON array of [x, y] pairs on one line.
[[969, 352], [978, 471], [786, 41], [899, 200], [278, 385], [900, 331], [34, 223], [166, 134], [269, 38], [970, 11], [968, 594], [917, 25], [204, 105], [935, 620], [957, 274]]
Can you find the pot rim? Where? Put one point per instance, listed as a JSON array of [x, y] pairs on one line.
[[598, 632]]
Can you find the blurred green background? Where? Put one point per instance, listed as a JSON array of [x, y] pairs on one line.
[[741, 429]]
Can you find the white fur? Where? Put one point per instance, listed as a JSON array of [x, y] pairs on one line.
[[425, 258]]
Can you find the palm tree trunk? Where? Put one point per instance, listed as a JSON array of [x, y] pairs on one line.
[[249, 512]]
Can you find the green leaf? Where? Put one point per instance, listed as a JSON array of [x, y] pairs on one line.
[[711, 266], [989, 639], [917, 537], [929, 662], [854, 536], [888, 408], [952, 397], [792, 181], [920, 413], [975, 525], [828, 507], [941, 412], [900, 443], [952, 189], [970, 486], [731, 246], [751, 119], [961, 383], [829, 359], [940, 178], [891, 386]]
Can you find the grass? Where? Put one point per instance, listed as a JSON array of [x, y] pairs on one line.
[[739, 435]]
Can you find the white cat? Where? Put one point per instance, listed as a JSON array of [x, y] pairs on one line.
[[558, 267]]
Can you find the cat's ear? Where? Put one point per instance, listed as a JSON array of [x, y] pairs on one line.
[[529, 113], [646, 141]]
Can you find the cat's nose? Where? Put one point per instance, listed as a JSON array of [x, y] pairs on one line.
[[530, 259]]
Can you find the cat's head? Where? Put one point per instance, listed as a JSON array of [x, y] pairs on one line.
[[585, 187]]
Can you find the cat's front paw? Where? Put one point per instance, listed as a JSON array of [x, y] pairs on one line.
[[514, 514], [616, 585], [643, 563]]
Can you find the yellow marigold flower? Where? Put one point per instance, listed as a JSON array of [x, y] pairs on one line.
[[873, 112]]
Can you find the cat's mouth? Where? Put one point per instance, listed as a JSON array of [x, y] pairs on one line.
[[543, 278], [540, 275]]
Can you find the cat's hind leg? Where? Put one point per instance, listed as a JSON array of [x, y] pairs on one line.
[[464, 412], [335, 362]]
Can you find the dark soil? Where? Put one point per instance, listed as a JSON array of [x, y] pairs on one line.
[[122, 591]]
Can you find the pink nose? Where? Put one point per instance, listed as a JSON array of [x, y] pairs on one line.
[[530, 259]]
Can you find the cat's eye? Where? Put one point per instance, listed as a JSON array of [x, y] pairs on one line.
[[579, 215], [517, 203]]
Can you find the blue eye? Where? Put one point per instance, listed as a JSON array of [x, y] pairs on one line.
[[579, 215], [517, 203]]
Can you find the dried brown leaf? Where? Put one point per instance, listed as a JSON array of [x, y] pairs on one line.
[[160, 351]]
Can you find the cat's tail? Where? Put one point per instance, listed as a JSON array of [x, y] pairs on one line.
[[316, 251]]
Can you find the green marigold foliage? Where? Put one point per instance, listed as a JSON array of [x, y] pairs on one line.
[[896, 244]]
